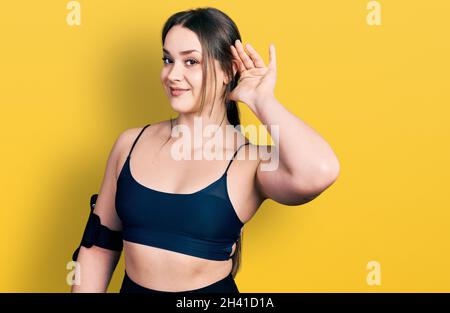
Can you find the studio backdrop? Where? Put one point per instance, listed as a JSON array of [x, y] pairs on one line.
[[372, 77]]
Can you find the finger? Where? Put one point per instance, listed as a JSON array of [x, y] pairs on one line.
[[241, 66], [243, 55], [272, 57], [257, 60]]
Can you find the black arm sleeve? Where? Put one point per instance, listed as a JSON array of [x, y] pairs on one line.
[[97, 234]]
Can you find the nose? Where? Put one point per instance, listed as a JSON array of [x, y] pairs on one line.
[[175, 73]]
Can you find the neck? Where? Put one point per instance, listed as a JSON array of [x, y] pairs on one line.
[[204, 125]]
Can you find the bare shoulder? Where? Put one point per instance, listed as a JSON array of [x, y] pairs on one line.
[[129, 135], [126, 138], [259, 154]]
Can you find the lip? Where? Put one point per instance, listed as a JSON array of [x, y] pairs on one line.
[[177, 91]]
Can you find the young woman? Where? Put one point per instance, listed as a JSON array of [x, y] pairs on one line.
[[181, 220]]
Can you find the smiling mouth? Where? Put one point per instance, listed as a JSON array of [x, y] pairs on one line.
[[178, 92]]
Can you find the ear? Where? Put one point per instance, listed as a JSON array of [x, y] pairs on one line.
[[227, 80]]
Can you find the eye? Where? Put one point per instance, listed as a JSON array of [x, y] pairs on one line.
[[187, 60], [192, 60], [164, 60]]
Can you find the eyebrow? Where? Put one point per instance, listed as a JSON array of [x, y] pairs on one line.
[[182, 52]]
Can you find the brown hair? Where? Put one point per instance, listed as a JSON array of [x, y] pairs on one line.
[[216, 32]]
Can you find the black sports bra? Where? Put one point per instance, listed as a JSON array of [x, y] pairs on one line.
[[202, 224]]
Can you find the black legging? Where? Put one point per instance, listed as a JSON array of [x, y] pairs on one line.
[[226, 285]]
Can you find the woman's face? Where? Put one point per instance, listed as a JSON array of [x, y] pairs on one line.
[[182, 68]]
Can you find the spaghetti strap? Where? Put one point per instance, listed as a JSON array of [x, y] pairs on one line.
[[134, 143], [237, 150]]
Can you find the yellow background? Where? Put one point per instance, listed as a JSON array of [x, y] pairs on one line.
[[378, 94]]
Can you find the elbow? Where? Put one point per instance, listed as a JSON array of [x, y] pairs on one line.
[[309, 189], [317, 178], [328, 175], [330, 171]]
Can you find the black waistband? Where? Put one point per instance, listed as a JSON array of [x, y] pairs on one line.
[[226, 284]]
